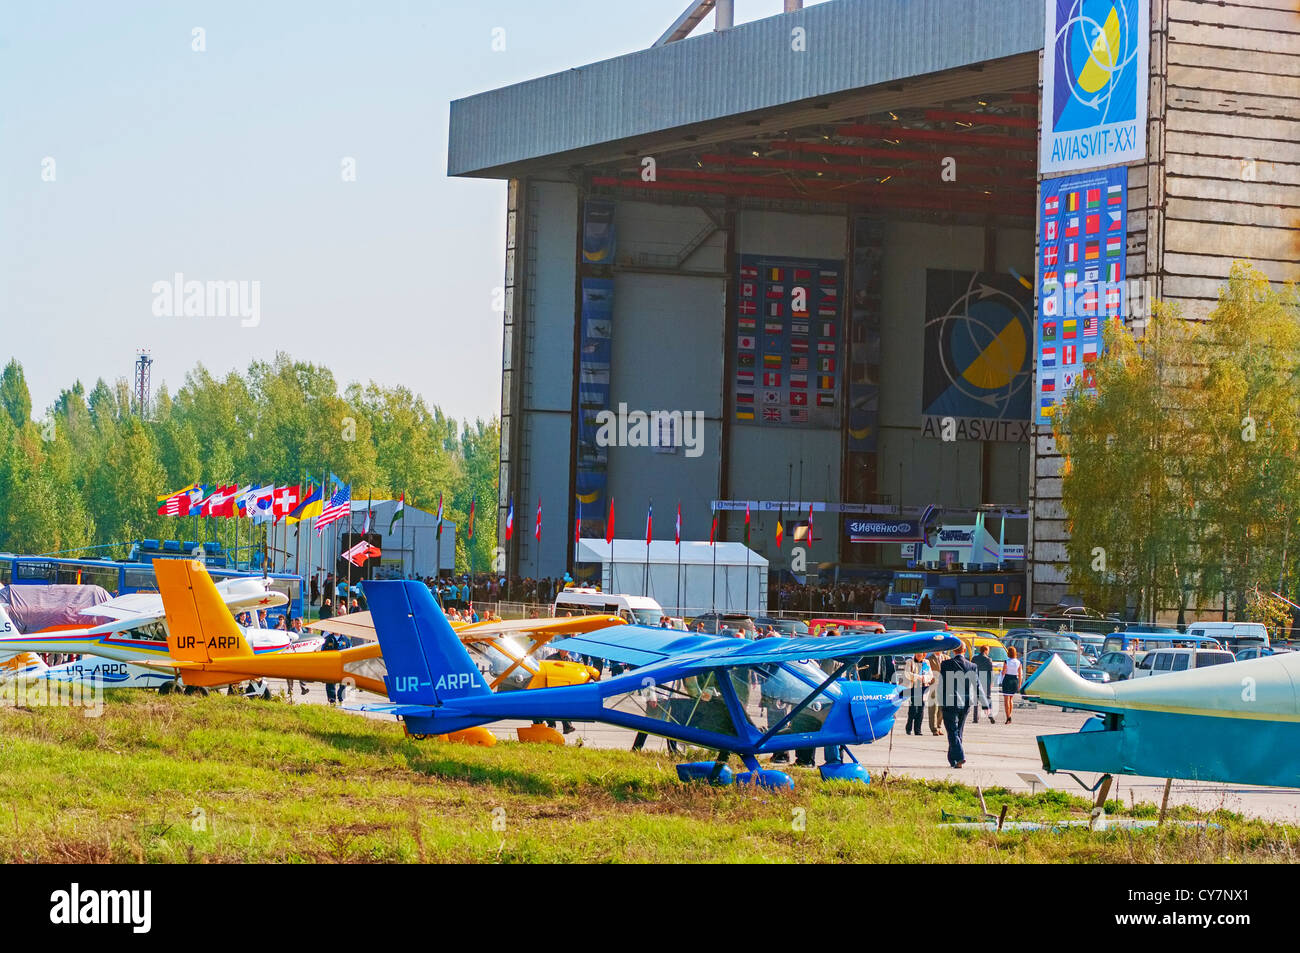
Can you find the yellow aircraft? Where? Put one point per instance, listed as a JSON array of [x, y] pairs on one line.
[[207, 648]]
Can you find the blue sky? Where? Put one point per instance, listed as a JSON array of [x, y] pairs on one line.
[[226, 165]]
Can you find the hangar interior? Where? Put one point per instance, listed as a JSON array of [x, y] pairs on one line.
[[891, 182]]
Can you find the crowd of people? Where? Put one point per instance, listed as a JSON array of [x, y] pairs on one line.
[[839, 598]]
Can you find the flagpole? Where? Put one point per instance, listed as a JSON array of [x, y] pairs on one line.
[[645, 579], [678, 534], [713, 545]]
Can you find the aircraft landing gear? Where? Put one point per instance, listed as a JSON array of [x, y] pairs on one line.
[[196, 690], [166, 688]]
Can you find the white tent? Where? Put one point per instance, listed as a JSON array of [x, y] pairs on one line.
[[710, 576]]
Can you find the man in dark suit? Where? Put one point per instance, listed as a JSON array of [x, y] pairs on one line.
[[984, 663], [958, 687]]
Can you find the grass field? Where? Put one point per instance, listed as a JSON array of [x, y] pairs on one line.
[[219, 779]]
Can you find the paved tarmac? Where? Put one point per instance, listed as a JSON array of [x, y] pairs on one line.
[[996, 755]]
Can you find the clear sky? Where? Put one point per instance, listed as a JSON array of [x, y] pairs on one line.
[[226, 165]]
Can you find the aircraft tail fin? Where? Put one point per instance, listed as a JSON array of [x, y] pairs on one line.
[[1056, 683], [426, 661], [199, 624]]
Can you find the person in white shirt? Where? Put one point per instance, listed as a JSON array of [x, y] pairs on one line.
[[1011, 670]]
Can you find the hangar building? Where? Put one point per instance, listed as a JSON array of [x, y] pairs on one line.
[[822, 235]]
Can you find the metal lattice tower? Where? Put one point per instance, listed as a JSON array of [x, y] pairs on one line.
[[143, 381]]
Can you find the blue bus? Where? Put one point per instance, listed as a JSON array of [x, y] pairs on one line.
[[121, 578], [948, 592]]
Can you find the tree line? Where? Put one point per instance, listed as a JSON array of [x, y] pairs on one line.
[[1180, 482], [84, 476]]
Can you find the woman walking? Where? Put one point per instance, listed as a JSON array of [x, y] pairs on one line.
[[1010, 680]]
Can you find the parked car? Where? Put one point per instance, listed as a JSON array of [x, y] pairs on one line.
[[1163, 661], [907, 623], [843, 626], [1078, 619], [1070, 657], [1118, 665], [790, 628], [1254, 651], [1025, 641]]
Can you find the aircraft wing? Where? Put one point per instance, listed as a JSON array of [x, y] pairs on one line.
[[775, 651], [140, 608], [543, 629], [634, 644], [355, 625]]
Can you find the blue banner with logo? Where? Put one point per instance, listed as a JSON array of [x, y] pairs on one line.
[[1095, 65]]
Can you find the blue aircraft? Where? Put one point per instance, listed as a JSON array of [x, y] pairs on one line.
[[732, 695]]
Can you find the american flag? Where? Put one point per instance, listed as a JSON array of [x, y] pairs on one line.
[[339, 506]]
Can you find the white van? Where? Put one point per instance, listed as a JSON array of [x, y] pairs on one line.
[[1233, 636], [637, 610], [1164, 661]]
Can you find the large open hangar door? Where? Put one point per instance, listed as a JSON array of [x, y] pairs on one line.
[[908, 215]]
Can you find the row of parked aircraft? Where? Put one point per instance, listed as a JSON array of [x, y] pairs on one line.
[[1234, 723]]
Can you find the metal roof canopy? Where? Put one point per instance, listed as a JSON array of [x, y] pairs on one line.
[[676, 93]]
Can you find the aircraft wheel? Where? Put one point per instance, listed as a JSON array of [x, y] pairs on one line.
[[199, 690], [166, 688]]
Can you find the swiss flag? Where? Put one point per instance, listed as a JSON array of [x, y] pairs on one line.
[[284, 501]]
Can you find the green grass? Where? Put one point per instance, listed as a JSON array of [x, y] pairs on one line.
[[220, 779]]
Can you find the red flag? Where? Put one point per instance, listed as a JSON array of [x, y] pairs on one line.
[[577, 526], [472, 500], [810, 530], [609, 523], [537, 533], [649, 522], [510, 520], [747, 522], [713, 530], [677, 533]]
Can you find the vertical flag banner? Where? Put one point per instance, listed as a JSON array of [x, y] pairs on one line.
[[677, 532], [537, 533], [510, 520], [1075, 299], [1095, 65], [609, 523], [594, 355], [399, 513], [789, 334], [746, 522], [649, 522], [713, 530], [439, 517]]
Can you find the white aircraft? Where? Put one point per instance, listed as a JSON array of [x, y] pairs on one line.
[[137, 632]]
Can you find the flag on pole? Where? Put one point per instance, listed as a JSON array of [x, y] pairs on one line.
[[537, 532], [810, 528], [362, 551], [510, 520], [439, 517], [181, 502], [339, 506], [472, 501], [677, 532], [399, 513], [747, 522], [609, 523], [780, 531], [285, 501], [577, 525], [649, 522], [309, 506], [713, 530], [370, 518]]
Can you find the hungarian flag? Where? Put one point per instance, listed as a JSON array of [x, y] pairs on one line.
[[537, 531], [510, 520], [609, 523], [439, 517], [649, 522], [399, 513], [677, 533]]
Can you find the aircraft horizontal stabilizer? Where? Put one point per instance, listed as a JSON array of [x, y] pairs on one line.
[[1057, 684]]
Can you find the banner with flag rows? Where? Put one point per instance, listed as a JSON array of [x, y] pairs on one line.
[[1081, 271], [788, 333]]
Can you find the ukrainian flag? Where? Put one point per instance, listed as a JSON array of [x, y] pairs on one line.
[[310, 507]]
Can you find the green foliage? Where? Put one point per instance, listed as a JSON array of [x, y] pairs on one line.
[[92, 473], [1179, 481]]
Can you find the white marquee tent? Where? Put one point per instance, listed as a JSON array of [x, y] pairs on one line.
[[710, 576]]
